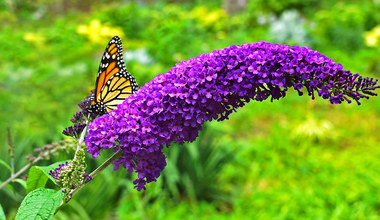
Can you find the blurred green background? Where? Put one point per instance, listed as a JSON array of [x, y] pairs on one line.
[[291, 159]]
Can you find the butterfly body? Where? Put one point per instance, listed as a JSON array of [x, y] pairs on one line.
[[113, 83]]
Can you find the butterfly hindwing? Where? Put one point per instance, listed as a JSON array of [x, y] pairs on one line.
[[113, 83]]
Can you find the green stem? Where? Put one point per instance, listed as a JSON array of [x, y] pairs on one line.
[[93, 175], [14, 176], [99, 169], [81, 138], [95, 172]]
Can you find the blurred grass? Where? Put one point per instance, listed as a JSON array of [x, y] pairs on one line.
[[295, 158]]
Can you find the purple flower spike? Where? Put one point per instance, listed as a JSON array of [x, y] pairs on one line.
[[174, 105]]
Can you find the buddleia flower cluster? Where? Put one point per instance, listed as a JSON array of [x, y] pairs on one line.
[[70, 175], [79, 119], [174, 105]]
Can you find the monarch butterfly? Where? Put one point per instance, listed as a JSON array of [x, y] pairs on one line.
[[113, 82]]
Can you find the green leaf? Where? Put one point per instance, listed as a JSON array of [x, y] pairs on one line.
[[2, 162], [36, 179], [21, 182], [38, 176], [10, 187], [2, 215], [40, 204]]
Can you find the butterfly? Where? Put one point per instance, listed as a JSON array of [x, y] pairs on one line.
[[113, 82]]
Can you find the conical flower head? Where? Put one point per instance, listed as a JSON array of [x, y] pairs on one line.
[[174, 105]]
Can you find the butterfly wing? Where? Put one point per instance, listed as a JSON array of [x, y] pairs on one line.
[[113, 83]]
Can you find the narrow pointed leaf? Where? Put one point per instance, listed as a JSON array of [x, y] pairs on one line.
[[2, 162], [21, 182]]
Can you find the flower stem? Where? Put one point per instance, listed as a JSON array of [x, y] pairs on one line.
[[99, 169], [93, 175], [14, 176], [81, 138], [42, 155], [11, 151], [95, 172]]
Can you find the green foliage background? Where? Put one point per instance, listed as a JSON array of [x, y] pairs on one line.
[[295, 158]]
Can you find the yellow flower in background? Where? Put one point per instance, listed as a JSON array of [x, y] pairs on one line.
[[372, 37], [97, 32], [203, 16], [34, 38], [214, 19]]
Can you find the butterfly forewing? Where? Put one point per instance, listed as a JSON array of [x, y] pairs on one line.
[[113, 83]]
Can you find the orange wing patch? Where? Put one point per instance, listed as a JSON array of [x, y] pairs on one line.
[[113, 51], [111, 70], [100, 84], [111, 47], [114, 71], [110, 67]]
